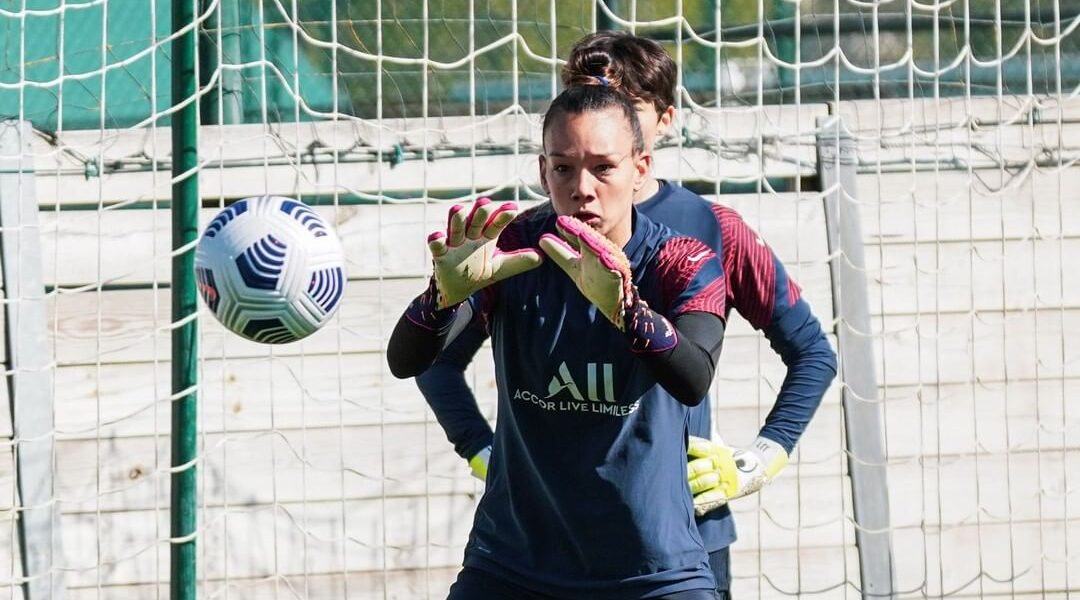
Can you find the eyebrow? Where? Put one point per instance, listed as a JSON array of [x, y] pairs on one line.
[[612, 157]]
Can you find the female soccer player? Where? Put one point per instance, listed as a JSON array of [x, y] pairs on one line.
[[758, 287], [600, 348]]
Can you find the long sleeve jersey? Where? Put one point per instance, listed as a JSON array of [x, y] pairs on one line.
[[757, 287]]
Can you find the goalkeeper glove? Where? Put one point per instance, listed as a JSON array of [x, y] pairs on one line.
[[596, 265], [466, 256], [717, 473], [479, 463]]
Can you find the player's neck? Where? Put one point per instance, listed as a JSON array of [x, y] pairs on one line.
[[647, 191], [621, 233]]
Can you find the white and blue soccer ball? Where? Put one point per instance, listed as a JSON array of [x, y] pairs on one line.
[[270, 269]]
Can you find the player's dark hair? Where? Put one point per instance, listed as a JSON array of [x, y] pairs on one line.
[[581, 99], [637, 66]]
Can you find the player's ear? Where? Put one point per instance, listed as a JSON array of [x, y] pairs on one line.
[[669, 116], [666, 119], [543, 175], [642, 166]]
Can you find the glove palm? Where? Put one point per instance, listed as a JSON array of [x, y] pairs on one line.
[[597, 266], [466, 256]]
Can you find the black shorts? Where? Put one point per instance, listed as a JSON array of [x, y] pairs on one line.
[[474, 584]]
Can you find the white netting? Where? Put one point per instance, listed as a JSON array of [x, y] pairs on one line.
[[323, 477]]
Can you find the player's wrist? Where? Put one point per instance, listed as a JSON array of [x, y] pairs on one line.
[[647, 330], [758, 464], [424, 310], [772, 456]]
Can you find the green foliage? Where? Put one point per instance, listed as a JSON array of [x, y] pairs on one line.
[[367, 58]]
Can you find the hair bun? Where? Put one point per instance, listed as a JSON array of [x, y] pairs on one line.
[[633, 65], [593, 66]]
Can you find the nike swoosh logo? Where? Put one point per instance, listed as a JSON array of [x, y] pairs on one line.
[[698, 256]]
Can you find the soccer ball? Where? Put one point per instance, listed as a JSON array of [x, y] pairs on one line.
[[270, 269]]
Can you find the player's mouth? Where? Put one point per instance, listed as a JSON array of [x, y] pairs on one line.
[[589, 218]]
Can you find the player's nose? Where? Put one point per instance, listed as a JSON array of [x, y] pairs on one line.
[[584, 188]]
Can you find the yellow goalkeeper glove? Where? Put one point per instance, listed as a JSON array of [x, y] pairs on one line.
[[718, 473], [466, 255], [598, 267], [479, 463]]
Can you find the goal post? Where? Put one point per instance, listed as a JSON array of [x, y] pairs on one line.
[[863, 415]]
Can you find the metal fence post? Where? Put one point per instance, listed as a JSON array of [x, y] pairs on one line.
[[29, 363], [863, 421]]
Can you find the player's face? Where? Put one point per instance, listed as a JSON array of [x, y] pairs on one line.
[[653, 124], [590, 171]]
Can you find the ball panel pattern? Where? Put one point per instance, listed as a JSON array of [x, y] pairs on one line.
[[262, 263], [222, 219], [268, 331], [307, 217], [326, 288]]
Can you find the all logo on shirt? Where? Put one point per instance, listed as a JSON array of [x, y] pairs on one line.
[[563, 381], [565, 395]]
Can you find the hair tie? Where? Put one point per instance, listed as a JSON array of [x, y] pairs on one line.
[[603, 81]]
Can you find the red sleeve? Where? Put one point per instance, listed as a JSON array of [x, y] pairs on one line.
[[751, 270], [691, 278]]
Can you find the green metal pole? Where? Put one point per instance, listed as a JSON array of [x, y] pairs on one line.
[[603, 21], [208, 63], [185, 214]]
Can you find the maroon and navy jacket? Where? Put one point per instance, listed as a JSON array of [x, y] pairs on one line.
[[757, 287]]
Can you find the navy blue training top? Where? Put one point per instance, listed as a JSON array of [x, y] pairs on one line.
[[758, 288], [586, 493]]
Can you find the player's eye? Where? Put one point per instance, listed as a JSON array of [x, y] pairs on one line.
[[561, 169], [604, 169]]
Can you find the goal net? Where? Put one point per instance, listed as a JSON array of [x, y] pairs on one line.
[[953, 130]]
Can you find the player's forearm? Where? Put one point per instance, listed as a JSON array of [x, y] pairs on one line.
[[418, 335], [798, 400], [412, 348], [447, 393], [799, 340], [686, 369]]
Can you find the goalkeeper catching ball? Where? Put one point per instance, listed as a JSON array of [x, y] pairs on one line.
[[757, 287], [606, 328]]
